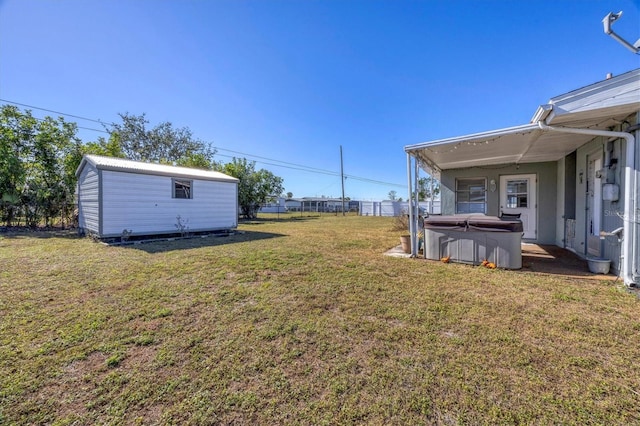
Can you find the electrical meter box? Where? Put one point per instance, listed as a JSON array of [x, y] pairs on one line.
[[610, 192]]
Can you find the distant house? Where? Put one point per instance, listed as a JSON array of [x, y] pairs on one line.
[[292, 204], [276, 205], [326, 205], [571, 174], [117, 195]]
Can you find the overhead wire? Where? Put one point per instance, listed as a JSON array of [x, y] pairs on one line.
[[271, 159], [307, 168], [56, 112], [79, 127], [299, 167], [260, 159]]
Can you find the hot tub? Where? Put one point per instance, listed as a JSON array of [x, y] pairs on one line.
[[474, 238]]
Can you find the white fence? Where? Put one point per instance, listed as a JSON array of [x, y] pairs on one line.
[[395, 208]]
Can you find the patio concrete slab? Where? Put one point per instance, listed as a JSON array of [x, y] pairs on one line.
[[540, 259], [397, 252], [549, 259]]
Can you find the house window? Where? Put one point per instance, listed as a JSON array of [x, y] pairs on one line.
[[471, 196], [182, 188], [517, 193]]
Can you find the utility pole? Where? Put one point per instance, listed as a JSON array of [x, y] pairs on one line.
[[342, 178]]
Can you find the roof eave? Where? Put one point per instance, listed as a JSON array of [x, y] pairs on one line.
[[167, 173], [475, 137], [171, 171]]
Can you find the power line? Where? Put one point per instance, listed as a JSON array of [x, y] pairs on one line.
[[57, 112], [79, 127], [378, 182], [279, 161], [307, 168], [299, 167], [270, 161]]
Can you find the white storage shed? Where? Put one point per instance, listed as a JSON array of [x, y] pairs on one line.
[[117, 196]]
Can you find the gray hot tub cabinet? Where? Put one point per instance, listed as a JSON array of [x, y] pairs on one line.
[[472, 239]]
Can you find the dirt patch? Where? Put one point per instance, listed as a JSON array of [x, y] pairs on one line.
[[75, 385]]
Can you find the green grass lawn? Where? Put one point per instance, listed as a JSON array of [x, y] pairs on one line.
[[304, 321]]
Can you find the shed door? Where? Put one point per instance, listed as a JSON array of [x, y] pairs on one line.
[[518, 196]]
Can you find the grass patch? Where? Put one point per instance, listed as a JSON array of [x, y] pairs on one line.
[[302, 320]]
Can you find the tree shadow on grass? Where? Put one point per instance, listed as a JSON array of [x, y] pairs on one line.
[[25, 232], [166, 245], [151, 244]]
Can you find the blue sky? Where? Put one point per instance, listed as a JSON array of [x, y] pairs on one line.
[[294, 80]]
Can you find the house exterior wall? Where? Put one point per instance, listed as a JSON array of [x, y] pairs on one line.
[[560, 203], [275, 206], [612, 211], [636, 177], [89, 200], [144, 205], [546, 192], [293, 205], [570, 186]]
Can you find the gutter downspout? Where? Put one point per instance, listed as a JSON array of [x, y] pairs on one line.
[[629, 262], [412, 231], [415, 241]]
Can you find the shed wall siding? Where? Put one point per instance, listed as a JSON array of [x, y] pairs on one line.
[[89, 200], [144, 205]]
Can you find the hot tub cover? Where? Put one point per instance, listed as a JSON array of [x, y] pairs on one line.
[[473, 223]]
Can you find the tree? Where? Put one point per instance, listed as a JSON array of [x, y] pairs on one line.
[[16, 132], [111, 147], [393, 195], [37, 174], [161, 144], [49, 184], [424, 188], [255, 187], [196, 160], [289, 195]]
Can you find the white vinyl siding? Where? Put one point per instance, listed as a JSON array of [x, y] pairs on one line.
[[89, 200], [145, 204]]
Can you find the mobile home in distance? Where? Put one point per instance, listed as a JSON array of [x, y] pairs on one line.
[[117, 196]]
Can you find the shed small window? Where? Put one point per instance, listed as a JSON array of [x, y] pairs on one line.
[[182, 188], [471, 196]]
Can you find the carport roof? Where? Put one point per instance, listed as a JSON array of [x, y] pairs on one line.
[[598, 106]]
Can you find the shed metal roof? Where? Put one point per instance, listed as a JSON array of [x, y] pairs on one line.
[[139, 167]]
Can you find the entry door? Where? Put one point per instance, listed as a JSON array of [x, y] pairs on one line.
[[518, 196], [594, 204]]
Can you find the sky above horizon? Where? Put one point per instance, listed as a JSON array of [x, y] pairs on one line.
[[287, 83]]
